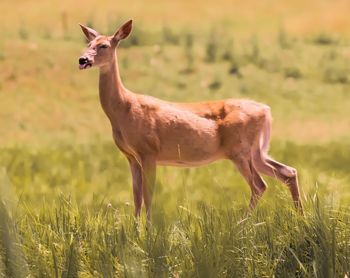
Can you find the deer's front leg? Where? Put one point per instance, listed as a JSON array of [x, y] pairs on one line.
[[136, 172], [148, 182]]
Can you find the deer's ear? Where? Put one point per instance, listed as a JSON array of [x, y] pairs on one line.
[[123, 31], [89, 32]]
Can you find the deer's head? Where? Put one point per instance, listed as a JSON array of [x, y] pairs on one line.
[[101, 49]]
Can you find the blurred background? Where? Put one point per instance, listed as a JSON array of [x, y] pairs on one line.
[[292, 55]]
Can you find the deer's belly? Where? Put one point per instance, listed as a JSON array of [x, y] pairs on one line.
[[189, 163], [193, 144]]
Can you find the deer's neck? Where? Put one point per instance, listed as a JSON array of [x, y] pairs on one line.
[[113, 95]]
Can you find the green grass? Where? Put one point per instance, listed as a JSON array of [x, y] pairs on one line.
[[67, 211]]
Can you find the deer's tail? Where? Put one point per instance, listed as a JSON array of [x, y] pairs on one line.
[[264, 140]]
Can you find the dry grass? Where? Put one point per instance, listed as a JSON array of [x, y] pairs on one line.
[[298, 16]]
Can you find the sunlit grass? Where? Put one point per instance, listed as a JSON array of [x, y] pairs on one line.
[[67, 210]]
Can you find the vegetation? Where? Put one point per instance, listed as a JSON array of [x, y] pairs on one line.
[[66, 205], [66, 213]]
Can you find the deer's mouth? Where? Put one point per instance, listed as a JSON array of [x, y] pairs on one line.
[[85, 62], [85, 65]]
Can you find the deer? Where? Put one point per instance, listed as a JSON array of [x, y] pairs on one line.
[[151, 132]]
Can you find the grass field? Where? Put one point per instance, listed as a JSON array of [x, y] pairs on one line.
[[66, 205]]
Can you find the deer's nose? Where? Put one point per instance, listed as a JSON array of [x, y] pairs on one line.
[[83, 60]]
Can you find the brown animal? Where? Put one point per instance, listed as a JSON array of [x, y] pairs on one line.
[[152, 132]]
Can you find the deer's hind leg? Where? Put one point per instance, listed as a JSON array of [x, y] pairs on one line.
[[286, 174], [247, 169]]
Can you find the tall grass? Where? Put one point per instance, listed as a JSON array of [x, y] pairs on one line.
[[65, 240], [73, 218]]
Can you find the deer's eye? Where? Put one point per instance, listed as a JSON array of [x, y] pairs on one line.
[[103, 46]]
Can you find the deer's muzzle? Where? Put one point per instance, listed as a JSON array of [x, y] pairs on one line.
[[84, 63]]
